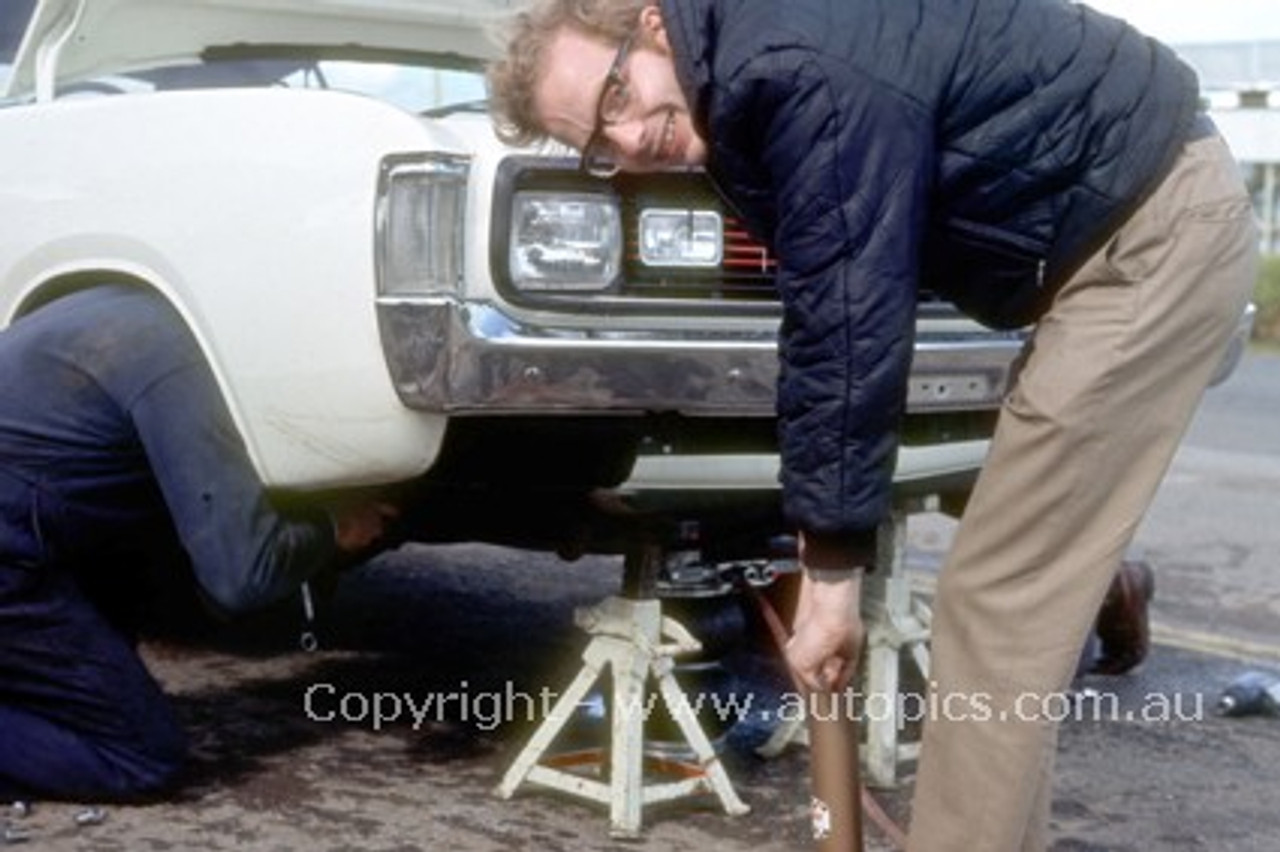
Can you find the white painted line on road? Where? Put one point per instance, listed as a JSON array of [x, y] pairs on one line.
[[1183, 638], [1213, 643]]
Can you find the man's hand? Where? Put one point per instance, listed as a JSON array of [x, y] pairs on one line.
[[827, 632], [357, 526]]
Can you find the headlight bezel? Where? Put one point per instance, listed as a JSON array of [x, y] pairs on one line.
[[732, 288]]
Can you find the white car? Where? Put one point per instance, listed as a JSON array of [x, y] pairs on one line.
[[388, 295]]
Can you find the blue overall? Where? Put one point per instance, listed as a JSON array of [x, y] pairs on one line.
[[113, 433]]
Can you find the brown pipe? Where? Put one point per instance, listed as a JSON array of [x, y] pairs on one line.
[[835, 773]]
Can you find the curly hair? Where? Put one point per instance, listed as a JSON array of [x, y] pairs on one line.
[[527, 37]]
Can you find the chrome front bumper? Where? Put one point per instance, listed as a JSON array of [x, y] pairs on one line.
[[472, 358]]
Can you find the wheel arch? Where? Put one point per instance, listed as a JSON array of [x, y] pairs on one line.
[[67, 282]]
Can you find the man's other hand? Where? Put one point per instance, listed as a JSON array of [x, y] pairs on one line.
[[358, 526]]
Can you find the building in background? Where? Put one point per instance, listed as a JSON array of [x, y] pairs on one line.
[[1241, 82]]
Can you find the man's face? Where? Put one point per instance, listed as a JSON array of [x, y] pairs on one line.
[[637, 116]]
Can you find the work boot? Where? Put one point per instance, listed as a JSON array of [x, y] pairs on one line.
[[1123, 628]]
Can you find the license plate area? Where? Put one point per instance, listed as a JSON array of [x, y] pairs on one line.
[[952, 391]]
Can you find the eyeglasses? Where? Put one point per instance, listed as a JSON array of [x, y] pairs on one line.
[[597, 158]]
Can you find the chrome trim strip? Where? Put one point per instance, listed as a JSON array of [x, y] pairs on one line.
[[759, 471]]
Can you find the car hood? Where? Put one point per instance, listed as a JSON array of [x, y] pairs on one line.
[[69, 40]]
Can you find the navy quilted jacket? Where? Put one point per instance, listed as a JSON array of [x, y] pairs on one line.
[[980, 148]]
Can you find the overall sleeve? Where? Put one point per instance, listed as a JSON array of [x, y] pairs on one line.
[[243, 551], [847, 162]]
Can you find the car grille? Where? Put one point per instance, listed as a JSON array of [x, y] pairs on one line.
[[747, 269]]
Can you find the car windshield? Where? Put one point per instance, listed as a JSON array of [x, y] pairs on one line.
[[419, 83]]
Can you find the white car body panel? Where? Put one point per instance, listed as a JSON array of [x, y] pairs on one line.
[[89, 202]]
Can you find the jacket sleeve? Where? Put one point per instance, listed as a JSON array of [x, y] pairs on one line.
[[244, 552], [847, 163]]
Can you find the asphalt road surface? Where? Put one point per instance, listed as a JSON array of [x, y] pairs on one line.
[[434, 661]]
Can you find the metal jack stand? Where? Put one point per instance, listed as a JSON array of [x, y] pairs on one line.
[[897, 623], [628, 634]]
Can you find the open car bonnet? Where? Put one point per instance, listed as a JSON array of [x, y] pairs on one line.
[[69, 40]]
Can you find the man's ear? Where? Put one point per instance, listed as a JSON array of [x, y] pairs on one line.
[[654, 28]]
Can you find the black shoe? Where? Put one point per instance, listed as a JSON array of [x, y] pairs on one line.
[[1123, 628]]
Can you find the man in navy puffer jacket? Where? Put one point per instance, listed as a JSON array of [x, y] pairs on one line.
[[1037, 162]]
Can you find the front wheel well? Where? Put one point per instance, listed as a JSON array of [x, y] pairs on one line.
[[65, 285]]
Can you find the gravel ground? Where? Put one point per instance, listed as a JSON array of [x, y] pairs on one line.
[[273, 770]]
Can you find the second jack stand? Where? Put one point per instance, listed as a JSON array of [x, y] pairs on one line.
[[897, 624], [627, 637]]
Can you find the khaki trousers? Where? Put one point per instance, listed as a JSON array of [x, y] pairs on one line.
[[1108, 384]]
